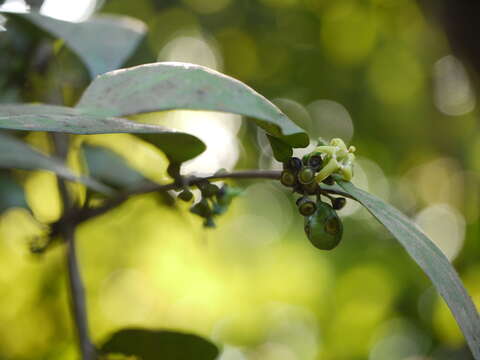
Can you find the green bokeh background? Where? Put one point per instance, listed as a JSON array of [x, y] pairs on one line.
[[375, 71]]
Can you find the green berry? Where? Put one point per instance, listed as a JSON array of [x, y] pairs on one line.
[[339, 203], [306, 207], [324, 228], [207, 189], [287, 178], [311, 188], [306, 175], [201, 209], [185, 195], [293, 164], [315, 162]]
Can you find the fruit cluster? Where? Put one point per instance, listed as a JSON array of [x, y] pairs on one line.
[[323, 227], [214, 200]]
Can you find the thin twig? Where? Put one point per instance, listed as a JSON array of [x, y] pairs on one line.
[[77, 293], [89, 213], [67, 228]]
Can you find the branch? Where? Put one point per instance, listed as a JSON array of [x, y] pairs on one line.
[[77, 294], [192, 180], [66, 227]]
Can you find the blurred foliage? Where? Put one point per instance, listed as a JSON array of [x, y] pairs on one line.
[[373, 72]]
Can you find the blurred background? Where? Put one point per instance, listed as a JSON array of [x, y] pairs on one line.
[[378, 73]]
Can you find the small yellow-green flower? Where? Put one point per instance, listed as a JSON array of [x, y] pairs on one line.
[[338, 160]]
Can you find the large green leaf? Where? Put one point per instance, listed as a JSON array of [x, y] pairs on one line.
[[103, 43], [15, 154], [160, 344], [430, 258], [170, 85], [177, 146]]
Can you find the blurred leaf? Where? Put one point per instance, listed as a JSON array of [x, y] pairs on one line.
[[160, 344], [111, 169], [177, 146], [2, 22], [171, 85], [430, 258], [281, 151], [103, 43], [11, 193], [15, 154]]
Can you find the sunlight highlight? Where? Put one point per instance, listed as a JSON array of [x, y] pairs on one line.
[[73, 11]]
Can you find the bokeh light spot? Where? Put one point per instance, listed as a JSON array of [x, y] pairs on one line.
[[348, 33], [74, 11], [330, 119], [453, 93], [191, 49], [240, 53], [395, 76], [15, 6], [42, 196], [445, 226]]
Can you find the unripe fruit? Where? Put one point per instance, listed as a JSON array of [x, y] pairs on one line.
[[294, 164], [338, 203], [201, 208], [287, 178], [306, 207], [306, 175], [315, 162], [207, 189], [311, 188], [324, 228], [185, 195]]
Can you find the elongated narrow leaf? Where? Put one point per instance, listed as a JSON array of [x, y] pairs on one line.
[[111, 169], [103, 43], [170, 85], [11, 193], [15, 154], [160, 344], [177, 146], [430, 258]]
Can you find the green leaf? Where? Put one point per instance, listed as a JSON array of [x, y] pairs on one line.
[[171, 85], [178, 146], [103, 43], [111, 169], [15, 154], [11, 193], [430, 258], [281, 151], [160, 344]]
